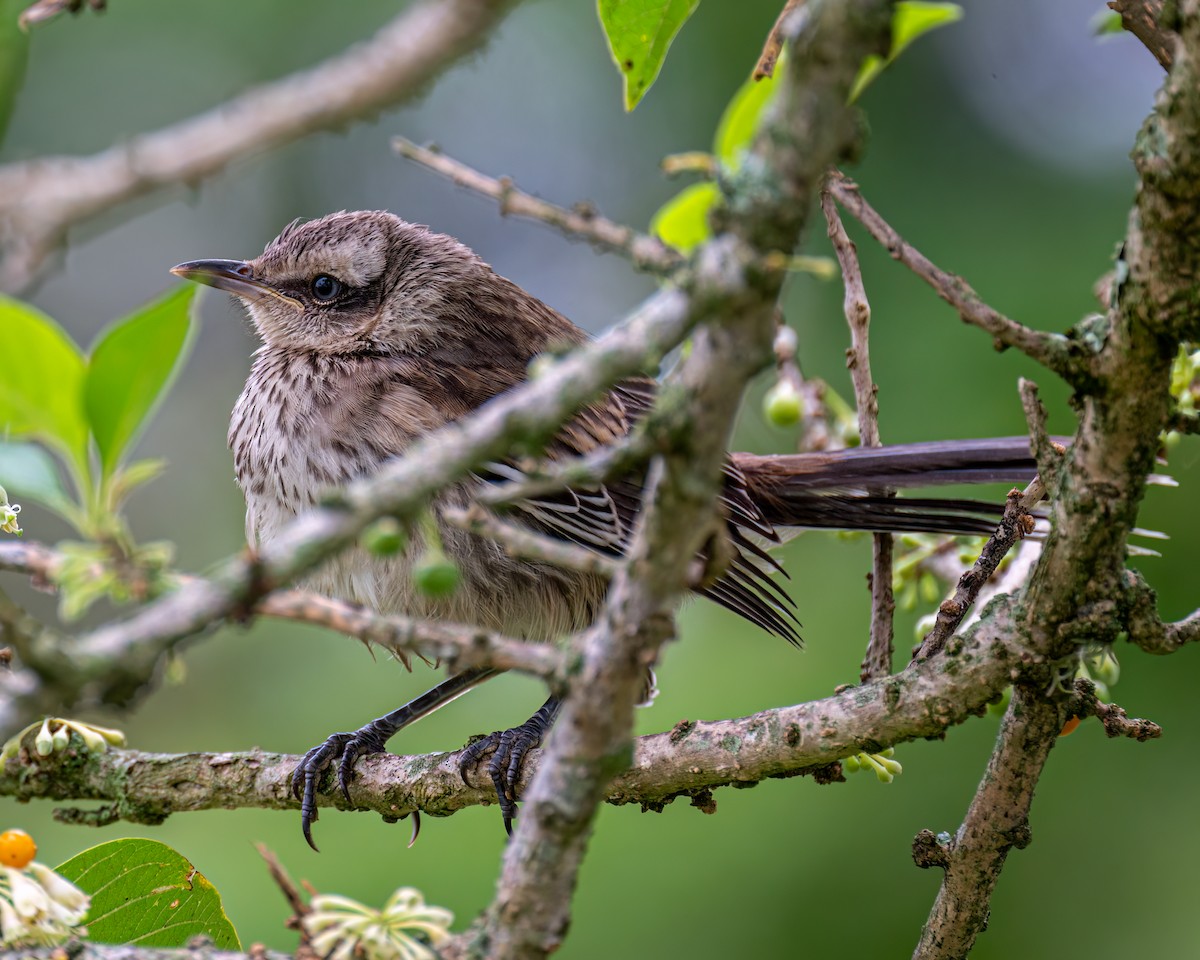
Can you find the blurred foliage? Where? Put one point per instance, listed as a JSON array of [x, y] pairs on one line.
[[789, 863], [14, 55], [88, 412], [682, 222]]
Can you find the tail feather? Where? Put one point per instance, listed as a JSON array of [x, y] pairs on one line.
[[837, 490]]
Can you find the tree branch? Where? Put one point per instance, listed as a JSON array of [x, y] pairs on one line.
[[1078, 592], [58, 674], [581, 223], [1049, 349], [877, 661], [693, 757], [997, 820], [733, 298], [43, 198], [1143, 18]]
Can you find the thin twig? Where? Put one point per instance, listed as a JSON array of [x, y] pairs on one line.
[[291, 894], [1144, 626], [1117, 723], [1014, 524], [1143, 18], [877, 661], [1049, 349], [64, 671], [525, 543], [41, 199], [582, 223], [774, 42]]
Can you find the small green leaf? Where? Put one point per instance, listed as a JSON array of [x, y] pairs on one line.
[[30, 473], [145, 894], [639, 33], [42, 383], [130, 477], [682, 222], [913, 18], [129, 370], [740, 119], [1106, 22], [14, 54], [910, 19]]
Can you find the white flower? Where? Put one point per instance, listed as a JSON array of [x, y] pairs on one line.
[[39, 908], [8, 517], [54, 733], [341, 928]]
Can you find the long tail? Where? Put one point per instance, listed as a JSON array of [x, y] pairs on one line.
[[831, 490]]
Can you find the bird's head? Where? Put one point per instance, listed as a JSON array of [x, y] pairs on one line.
[[349, 283]]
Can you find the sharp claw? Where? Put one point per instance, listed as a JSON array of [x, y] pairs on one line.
[[416, 819], [306, 827], [308, 812], [507, 826]]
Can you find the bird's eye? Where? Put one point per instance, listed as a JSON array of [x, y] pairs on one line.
[[325, 287]]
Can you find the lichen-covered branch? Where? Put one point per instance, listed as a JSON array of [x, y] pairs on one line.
[[693, 757], [1079, 591], [41, 199], [733, 300], [997, 820]]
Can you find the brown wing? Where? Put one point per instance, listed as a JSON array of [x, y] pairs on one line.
[[602, 517]]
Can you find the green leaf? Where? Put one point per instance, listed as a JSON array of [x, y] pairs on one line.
[[1105, 23], [145, 893], [740, 119], [131, 476], [41, 386], [910, 19], [639, 33], [30, 473], [129, 370], [14, 54], [682, 222]]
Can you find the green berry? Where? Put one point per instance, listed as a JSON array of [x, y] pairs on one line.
[[1105, 669], [43, 743], [384, 537], [783, 405], [435, 576]]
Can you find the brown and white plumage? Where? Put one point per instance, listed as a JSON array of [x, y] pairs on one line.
[[376, 332]]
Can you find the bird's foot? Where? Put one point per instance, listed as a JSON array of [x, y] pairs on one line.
[[343, 747], [508, 749]]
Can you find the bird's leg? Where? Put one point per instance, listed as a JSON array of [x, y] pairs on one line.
[[371, 738], [508, 749]]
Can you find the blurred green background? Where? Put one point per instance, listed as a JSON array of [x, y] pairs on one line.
[[997, 146]]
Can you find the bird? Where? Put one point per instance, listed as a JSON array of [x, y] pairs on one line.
[[376, 331]]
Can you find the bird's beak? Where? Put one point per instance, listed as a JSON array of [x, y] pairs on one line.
[[232, 276]]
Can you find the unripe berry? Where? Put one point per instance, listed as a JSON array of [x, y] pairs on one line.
[[436, 576], [384, 537], [783, 405]]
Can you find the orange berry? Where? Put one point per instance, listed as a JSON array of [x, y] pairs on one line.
[[17, 848], [1069, 726]]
